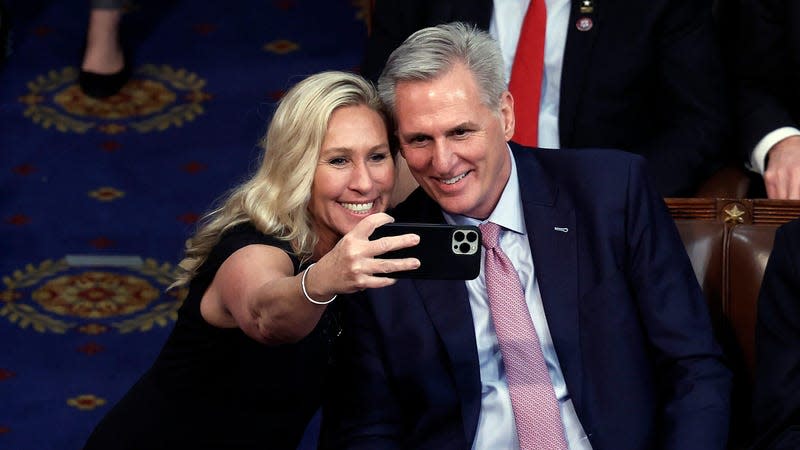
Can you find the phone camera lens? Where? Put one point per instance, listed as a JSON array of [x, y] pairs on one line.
[[459, 236], [464, 247], [472, 236]]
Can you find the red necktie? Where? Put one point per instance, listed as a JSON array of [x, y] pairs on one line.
[[526, 74], [533, 400]]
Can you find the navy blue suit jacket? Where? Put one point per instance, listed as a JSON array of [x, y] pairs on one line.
[[776, 404], [646, 78], [627, 317]]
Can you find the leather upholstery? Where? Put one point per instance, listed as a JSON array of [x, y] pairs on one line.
[[729, 242]]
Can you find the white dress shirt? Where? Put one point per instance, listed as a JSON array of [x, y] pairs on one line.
[[507, 16], [758, 158], [496, 426]]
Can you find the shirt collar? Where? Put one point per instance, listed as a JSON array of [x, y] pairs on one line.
[[508, 211]]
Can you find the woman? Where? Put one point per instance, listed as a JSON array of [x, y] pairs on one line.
[[246, 364]]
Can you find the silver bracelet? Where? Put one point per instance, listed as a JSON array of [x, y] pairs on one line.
[[305, 292]]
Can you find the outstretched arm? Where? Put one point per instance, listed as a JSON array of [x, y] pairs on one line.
[[257, 290]]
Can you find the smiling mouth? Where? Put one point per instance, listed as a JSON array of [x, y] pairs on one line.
[[358, 208], [455, 179]]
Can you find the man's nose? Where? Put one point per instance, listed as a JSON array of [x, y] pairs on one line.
[[442, 157]]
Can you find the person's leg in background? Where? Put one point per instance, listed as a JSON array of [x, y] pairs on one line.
[[103, 70], [5, 26]]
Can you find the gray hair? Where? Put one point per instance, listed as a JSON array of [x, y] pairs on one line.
[[432, 52]]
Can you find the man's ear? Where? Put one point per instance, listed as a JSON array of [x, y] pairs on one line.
[[507, 114]]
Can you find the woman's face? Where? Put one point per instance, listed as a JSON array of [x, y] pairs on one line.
[[355, 172]]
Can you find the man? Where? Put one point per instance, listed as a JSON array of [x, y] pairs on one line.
[[769, 101], [620, 322], [641, 76], [776, 405]]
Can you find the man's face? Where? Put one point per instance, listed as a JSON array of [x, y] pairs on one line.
[[455, 145]]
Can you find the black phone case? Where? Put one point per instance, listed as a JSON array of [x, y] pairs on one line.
[[446, 252]]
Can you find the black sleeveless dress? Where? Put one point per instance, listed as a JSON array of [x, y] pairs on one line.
[[217, 388]]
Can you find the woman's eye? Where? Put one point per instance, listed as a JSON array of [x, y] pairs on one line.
[[337, 161]]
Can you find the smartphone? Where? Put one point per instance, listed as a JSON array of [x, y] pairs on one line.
[[445, 252]]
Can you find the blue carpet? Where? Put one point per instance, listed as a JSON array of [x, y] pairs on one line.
[[97, 198]]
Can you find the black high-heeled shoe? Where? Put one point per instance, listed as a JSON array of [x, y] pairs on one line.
[[5, 26], [103, 85]]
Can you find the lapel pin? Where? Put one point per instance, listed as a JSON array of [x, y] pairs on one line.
[[561, 229], [584, 24], [587, 7]]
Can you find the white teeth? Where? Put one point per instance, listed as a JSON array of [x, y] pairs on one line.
[[455, 179], [358, 207]]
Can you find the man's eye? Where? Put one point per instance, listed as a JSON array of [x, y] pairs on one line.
[[377, 157], [459, 132]]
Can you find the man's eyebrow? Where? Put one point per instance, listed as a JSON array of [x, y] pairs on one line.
[[463, 125], [412, 135]]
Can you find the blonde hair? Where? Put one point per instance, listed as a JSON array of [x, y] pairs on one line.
[[275, 198]]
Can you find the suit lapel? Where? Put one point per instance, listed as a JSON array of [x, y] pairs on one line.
[[552, 232], [577, 54], [447, 305]]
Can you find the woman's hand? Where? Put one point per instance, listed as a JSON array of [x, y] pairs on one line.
[[352, 264]]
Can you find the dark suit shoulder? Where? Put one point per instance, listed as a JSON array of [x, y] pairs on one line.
[[590, 159], [776, 397], [581, 172], [791, 229], [787, 241]]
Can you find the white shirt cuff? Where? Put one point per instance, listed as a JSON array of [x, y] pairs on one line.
[[758, 158]]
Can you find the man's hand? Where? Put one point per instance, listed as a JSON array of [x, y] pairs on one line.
[[782, 177]]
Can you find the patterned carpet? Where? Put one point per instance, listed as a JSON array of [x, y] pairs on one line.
[[97, 197]]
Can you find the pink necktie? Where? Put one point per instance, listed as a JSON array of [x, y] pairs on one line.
[[533, 400], [526, 73]]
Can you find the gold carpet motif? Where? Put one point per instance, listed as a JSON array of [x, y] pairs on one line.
[[155, 99]]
